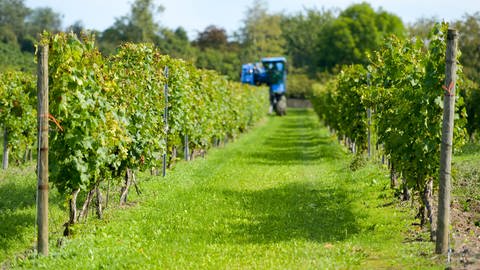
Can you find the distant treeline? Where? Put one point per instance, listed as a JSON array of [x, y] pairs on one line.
[[316, 42]]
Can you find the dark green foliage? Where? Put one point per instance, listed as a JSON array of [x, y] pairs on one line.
[[357, 32], [212, 37], [176, 44], [223, 61], [12, 58], [304, 38], [12, 20], [215, 52], [319, 41]]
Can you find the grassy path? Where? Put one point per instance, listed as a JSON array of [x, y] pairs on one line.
[[281, 197]]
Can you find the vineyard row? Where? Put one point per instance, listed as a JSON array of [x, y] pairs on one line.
[[111, 116], [398, 100]]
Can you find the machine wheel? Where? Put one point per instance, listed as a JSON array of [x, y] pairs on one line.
[[281, 106]]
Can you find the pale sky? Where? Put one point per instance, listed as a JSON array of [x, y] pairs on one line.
[[196, 15]]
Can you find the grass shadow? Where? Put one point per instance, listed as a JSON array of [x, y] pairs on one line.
[[293, 211], [17, 208], [13, 227], [15, 196]]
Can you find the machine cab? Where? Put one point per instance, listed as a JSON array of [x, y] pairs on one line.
[[276, 73]]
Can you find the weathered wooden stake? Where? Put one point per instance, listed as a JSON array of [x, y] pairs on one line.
[[393, 176], [165, 119], [126, 186], [186, 150], [447, 141], [42, 161], [99, 202], [369, 115], [5, 149]]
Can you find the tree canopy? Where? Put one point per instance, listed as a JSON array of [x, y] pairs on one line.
[[314, 41], [212, 37], [261, 33], [12, 20]]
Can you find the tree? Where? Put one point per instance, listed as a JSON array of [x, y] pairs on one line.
[[356, 33], [137, 26], [388, 24], [121, 31], [175, 43], [217, 53], [143, 17], [353, 34], [77, 28], [339, 45], [304, 35], [11, 58], [212, 37], [261, 35], [12, 18], [469, 30], [421, 28], [41, 19], [226, 62]]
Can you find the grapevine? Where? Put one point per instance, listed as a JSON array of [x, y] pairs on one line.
[[403, 85]]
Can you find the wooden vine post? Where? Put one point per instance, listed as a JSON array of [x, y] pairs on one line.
[[446, 146], [42, 161], [5, 149], [369, 116], [186, 151], [165, 119]]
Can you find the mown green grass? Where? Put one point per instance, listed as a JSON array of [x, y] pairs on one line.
[[281, 197], [18, 212]]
